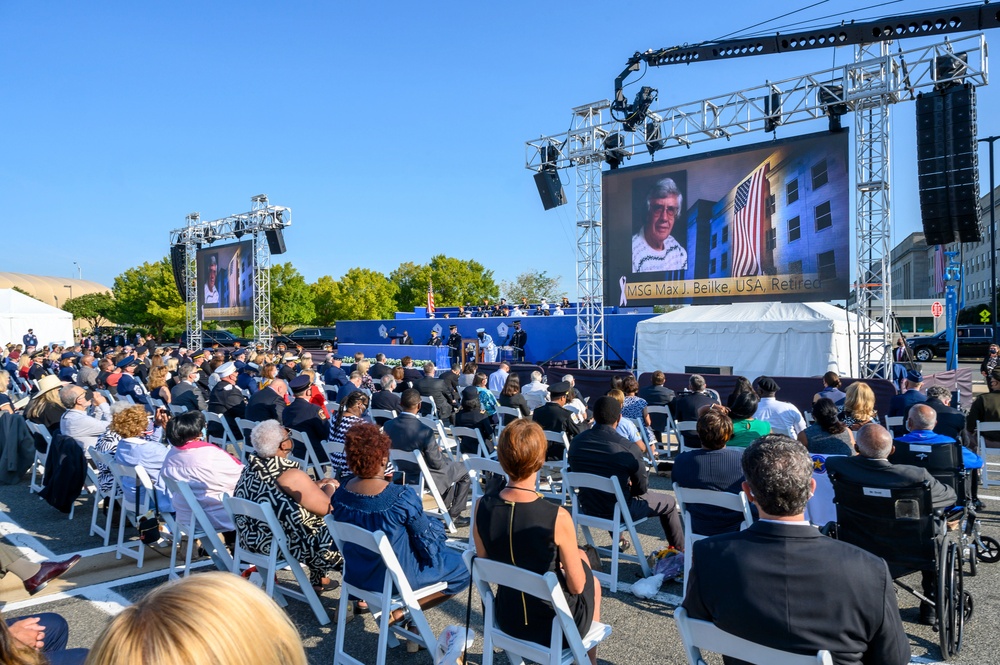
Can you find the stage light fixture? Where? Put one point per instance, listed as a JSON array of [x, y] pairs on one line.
[[239, 228], [636, 112], [549, 154], [614, 150], [654, 137], [772, 109], [831, 99], [950, 70]]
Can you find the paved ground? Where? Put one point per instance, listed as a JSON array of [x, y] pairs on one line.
[[644, 631]]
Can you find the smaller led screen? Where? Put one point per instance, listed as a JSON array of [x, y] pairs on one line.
[[226, 281]]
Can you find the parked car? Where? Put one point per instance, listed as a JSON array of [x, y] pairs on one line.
[[308, 338], [973, 341], [220, 337]]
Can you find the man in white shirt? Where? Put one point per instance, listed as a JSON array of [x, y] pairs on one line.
[[76, 422], [535, 393], [653, 248], [782, 415], [499, 377]]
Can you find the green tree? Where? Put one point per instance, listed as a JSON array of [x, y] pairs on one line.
[[147, 296], [22, 292], [94, 308], [456, 282], [533, 285], [325, 295], [364, 294], [412, 280], [291, 297]]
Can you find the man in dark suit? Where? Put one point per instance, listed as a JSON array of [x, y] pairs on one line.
[[187, 393], [900, 404], [760, 584], [410, 373], [553, 416], [436, 389], [950, 421], [685, 406], [657, 394], [408, 433], [268, 403], [450, 377], [379, 369], [335, 376], [603, 452], [387, 399], [872, 468], [304, 416], [287, 370], [199, 359], [227, 400]]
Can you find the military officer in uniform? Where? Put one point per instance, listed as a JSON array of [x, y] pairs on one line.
[[227, 400], [30, 340], [435, 339], [518, 340], [487, 349], [198, 358], [129, 386], [304, 416], [454, 345]]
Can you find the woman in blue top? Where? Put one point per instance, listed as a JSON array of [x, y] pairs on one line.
[[368, 501]]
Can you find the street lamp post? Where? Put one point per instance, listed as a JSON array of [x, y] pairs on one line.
[[79, 270], [993, 242]]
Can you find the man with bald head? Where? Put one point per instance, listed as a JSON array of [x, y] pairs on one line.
[[921, 421], [872, 468]]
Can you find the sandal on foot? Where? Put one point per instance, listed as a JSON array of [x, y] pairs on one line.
[[624, 544]]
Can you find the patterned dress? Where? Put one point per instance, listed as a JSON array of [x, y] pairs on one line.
[[309, 541], [338, 434]]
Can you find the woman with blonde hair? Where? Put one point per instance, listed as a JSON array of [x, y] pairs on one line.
[[158, 383], [268, 373], [180, 622], [5, 401], [45, 408], [859, 406], [367, 382]]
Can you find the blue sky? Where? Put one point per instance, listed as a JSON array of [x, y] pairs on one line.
[[394, 131]]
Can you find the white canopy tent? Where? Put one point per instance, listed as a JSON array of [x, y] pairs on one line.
[[19, 312], [776, 339]]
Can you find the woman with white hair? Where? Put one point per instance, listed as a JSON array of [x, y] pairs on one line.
[[299, 502]]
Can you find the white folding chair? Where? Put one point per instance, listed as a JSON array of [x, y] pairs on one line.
[[395, 593], [38, 465], [228, 438], [697, 635], [986, 452], [107, 395], [246, 427], [434, 411], [555, 470], [311, 460], [448, 444], [101, 459], [460, 433], [332, 407], [894, 421], [687, 496], [199, 527], [506, 414], [130, 512], [486, 573], [276, 557], [619, 522], [682, 426], [478, 466], [425, 486], [156, 403], [646, 441], [668, 431], [382, 416], [177, 409]]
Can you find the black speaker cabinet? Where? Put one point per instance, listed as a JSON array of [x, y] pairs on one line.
[[550, 189], [178, 256], [726, 370], [275, 241]]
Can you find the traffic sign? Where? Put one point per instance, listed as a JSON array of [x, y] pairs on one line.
[[984, 315], [937, 309]]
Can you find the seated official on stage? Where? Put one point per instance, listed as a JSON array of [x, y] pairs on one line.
[[761, 583]]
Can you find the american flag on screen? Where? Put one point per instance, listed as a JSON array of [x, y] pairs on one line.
[[430, 297], [748, 223]]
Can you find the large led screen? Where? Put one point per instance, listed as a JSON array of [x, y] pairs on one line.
[[768, 222], [225, 281]]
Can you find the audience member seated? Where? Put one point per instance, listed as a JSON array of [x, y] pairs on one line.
[[386, 399], [511, 397], [140, 445], [760, 584], [6, 405], [634, 406], [367, 500], [686, 405], [657, 394], [45, 407], [407, 433], [351, 414], [536, 392], [431, 386], [831, 390], [782, 415], [746, 428], [602, 452], [714, 466], [472, 415], [900, 404], [304, 416], [209, 470], [517, 527], [184, 622], [626, 428], [920, 423], [315, 394], [187, 392], [158, 384], [859, 406], [299, 503], [268, 403], [828, 435], [872, 468], [486, 398], [37, 639], [84, 420], [227, 400], [743, 385], [468, 374]]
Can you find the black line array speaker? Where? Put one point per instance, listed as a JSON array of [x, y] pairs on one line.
[[948, 165], [178, 256], [724, 370], [550, 188], [275, 241]]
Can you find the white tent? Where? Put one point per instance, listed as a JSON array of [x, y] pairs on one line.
[[777, 339], [19, 312]]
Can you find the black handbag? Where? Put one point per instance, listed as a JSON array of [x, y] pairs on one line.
[[149, 524]]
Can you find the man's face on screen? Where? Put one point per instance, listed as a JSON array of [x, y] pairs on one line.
[[212, 272], [660, 220]]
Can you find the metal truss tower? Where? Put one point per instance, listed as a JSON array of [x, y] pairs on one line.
[[262, 273], [868, 86], [191, 318], [585, 139]]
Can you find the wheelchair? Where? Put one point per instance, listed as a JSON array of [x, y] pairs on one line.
[[944, 463], [901, 526]]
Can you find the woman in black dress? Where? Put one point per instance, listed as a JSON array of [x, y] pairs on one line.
[[511, 396], [519, 528]]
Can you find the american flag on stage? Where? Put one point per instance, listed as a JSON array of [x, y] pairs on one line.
[[939, 267], [430, 297], [748, 223]]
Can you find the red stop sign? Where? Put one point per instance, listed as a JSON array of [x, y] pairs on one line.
[[937, 310]]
